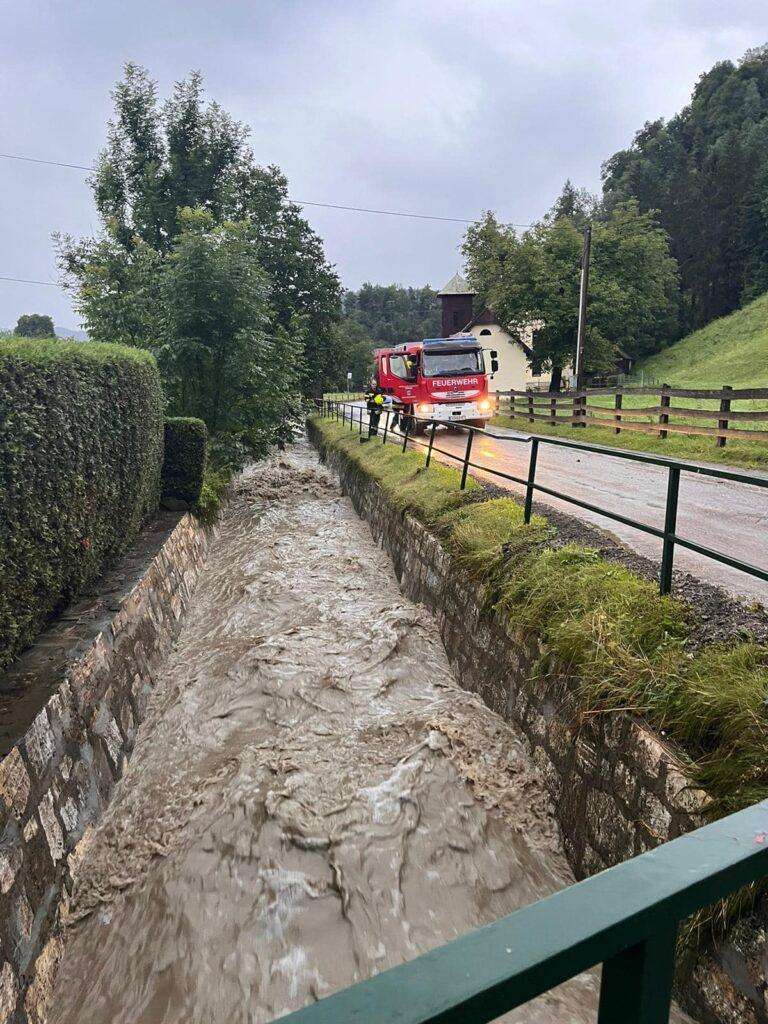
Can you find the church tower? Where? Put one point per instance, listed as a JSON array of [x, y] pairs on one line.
[[456, 298]]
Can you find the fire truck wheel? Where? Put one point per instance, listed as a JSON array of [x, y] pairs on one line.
[[482, 424]]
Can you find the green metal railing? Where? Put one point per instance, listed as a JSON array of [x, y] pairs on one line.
[[668, 535], [625, 918]]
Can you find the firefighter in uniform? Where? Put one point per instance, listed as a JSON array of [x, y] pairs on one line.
[[374, 402]]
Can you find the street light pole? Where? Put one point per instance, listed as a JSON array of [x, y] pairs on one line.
[[583, 291]]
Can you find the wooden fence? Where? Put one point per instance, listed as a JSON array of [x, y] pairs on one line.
[[661, 418]]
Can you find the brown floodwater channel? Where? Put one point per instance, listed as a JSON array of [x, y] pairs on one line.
[[312, 797]]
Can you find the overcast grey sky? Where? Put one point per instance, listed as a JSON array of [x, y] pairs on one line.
[[448, 108]]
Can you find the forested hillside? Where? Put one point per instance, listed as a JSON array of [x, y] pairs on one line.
[[706, 172], [391, 314]]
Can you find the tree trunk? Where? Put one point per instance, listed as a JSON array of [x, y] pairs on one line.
[[557, 376]]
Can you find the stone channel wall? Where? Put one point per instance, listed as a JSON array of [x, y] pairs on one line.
[[57, 778], [617, 788]]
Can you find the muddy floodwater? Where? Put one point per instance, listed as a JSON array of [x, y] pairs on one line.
[[312, 797]]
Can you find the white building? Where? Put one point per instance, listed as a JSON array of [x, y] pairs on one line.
[[514, 348]]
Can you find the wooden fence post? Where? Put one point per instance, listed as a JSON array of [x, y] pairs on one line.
[[511, 405], [725, 408], [617, 406], [553, 411], [664, 417], [576, 410], [530, 407]]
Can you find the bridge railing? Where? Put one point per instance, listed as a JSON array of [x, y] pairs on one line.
[[625, 918], [357, 417]]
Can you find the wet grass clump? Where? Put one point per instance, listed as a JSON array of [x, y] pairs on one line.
[[216, 480], [426, 494], [487, 536]]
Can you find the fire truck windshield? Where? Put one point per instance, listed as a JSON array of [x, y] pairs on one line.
[[452, 364]]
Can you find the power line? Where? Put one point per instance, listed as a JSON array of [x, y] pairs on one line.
[[51, 163], [385, 213], [26, 280], [299, 202]]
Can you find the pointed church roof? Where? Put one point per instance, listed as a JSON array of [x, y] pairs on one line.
[[456, 286]]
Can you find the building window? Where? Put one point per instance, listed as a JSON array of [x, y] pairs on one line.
[[484, 331]]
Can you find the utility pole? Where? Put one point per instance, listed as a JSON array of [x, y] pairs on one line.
[[583, 291]]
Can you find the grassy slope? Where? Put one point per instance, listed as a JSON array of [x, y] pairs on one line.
[[732, 350]]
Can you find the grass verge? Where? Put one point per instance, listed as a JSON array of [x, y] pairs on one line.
[[426, 494], [746, 454]]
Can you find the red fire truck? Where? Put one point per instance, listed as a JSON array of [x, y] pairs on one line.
[[443, 379]]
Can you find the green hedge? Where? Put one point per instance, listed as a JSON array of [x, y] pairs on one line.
[[186, 447], [81, 448]]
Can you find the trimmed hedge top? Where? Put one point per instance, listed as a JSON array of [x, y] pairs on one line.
[[186, 449], [81, 447]]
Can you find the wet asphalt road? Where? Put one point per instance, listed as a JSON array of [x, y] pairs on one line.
[[724, 515]]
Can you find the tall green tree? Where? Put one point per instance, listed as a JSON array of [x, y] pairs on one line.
[[163, 159], [34, 325], [706, 173], [533, 280], [204, 309], [224, 358]]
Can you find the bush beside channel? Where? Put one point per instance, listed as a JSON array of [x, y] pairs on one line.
[[186, 449], [81, 450]]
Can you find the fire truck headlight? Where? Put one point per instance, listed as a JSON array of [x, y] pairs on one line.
[[423, 408], [485, 405]]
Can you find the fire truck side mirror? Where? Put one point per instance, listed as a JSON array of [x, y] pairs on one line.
[[494, 360]]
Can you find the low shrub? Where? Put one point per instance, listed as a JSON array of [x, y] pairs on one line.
[[186, 445], [81, 447], [215, 483]]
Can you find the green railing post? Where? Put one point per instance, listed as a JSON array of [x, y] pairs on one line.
[[636, 986], [465, 467], [670, 524], [386, 428], [431, 442], [531, 479], [405, 431]]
